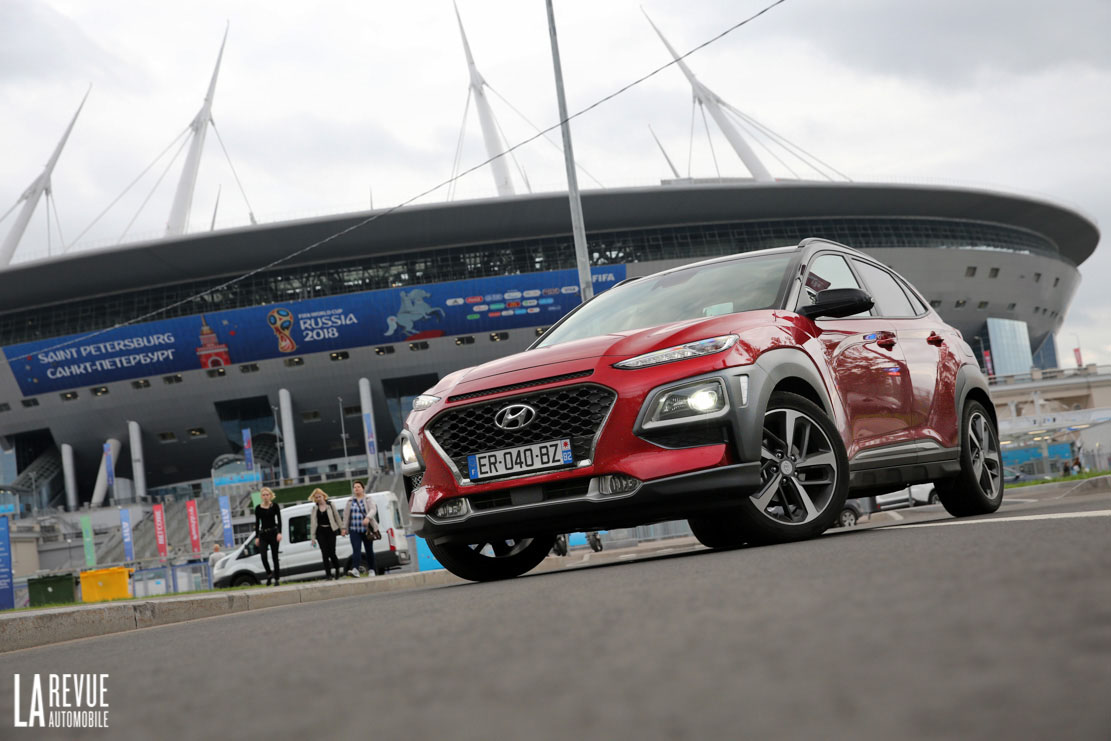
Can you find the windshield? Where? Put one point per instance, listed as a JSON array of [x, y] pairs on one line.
[[744, 284]]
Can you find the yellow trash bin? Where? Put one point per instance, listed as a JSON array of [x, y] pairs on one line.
[[99, 585]]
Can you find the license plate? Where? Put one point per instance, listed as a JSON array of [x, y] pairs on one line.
[[517, 460]]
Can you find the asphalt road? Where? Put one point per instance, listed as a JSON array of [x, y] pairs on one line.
[[952, 630]]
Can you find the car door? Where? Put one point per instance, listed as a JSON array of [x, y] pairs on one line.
[[867, 366], [930, 361], [298, 555]]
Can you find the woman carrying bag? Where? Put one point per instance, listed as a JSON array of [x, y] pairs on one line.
[[324, 526], [360, 521]]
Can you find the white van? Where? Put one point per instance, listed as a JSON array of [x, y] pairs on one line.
[[298, 557]]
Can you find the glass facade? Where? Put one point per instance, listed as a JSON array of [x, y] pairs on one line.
[[1046, 355], [1007, 343], [506, 258]]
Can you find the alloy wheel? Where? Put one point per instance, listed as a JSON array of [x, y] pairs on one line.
[[798, 468], [987, 463]]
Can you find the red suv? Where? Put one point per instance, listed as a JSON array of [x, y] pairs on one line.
[[749, 395]]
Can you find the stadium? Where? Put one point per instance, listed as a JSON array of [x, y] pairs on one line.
[[319, 355]]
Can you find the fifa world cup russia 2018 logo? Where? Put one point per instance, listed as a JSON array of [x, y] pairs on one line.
[[281, 321]]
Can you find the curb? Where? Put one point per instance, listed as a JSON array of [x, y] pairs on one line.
[[57, 624]]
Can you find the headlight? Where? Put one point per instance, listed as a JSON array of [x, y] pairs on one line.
[[408, 455], [424, 401], [695, 400], [680, 352]]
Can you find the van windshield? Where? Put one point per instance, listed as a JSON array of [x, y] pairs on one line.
[[743, 284]]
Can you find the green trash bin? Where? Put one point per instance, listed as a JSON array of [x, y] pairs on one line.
[[51, 590]]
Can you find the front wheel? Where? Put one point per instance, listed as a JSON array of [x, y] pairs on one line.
[[978, 489], [491, 560]]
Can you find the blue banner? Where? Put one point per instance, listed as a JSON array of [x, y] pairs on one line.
[[125, 533], [108, 467], [7, 587], [248, 453], [242, 477], [225, 518], [371, 448], [315, 325]]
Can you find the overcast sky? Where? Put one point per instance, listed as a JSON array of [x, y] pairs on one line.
[[328, 107]]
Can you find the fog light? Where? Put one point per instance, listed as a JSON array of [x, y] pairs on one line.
[[408, 455], [617, 483], [453, 508], [704, 400]]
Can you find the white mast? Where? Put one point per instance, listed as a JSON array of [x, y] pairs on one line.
[[486, 120], [183, 197], [34, 192], [712, 103]]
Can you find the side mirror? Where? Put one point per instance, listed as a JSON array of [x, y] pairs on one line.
[[838, 302]]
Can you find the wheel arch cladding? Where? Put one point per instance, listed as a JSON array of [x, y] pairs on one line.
[[789, 370]]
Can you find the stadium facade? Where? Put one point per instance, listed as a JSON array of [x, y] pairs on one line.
[[308, 364], [405, 298]]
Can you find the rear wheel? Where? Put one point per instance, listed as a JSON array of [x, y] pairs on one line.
[[244, 580], [491, 560], [978, 489]]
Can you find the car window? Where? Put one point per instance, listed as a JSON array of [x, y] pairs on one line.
[[743, 284], [889, 297], [917, 303], [299, 529], [827, 271]]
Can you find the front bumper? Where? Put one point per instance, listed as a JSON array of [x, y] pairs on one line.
[[525, 512]]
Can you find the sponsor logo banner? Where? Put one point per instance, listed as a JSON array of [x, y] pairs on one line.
[[194, 525], [248, 453], [159, 529], [225, 519], [277, 330], [125, 533], [7, 587], [108, 467]]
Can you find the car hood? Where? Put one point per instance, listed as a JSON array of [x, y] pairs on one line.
[[618, 345]]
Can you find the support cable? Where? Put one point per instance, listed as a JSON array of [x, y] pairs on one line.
[[459, 146], [242, 192], [153, 188]]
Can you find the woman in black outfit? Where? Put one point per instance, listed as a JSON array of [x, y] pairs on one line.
[[268, 533], [324, 525]]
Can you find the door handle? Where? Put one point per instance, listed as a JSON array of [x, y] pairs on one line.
[[886, 342], [935, 339]]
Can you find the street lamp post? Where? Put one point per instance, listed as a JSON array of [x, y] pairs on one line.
[[278, 434], [343, 435]]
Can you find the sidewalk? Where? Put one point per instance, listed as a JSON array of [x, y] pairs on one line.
[[30, 628]]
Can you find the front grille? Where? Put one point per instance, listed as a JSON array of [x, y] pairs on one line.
[[514, 497], [574, 412], [521, 386]]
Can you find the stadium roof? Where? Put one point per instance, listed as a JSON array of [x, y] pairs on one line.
[[234, 251]]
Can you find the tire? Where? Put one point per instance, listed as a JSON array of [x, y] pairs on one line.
[[805, 473], [512, 557], [934, 498], [847, 518], [719, 532], [560, 547], [978, 488], [764, 518], [244, 580]]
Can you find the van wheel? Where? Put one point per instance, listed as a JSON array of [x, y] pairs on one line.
[[244, 580], [510, 558], [847, 518], [978, 489]]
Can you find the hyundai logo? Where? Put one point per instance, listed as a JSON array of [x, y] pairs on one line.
[[515, 417]]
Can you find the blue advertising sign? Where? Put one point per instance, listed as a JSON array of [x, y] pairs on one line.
[[242, 477], [125, 532], [314, 325], [7, 587], [248, 454], [371, 449], [108, 467], [225, 518]]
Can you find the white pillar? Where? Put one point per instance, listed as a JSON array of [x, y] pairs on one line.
[[100, 490], [138, 466], [288, 436], [370, 446], [69, 475]]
